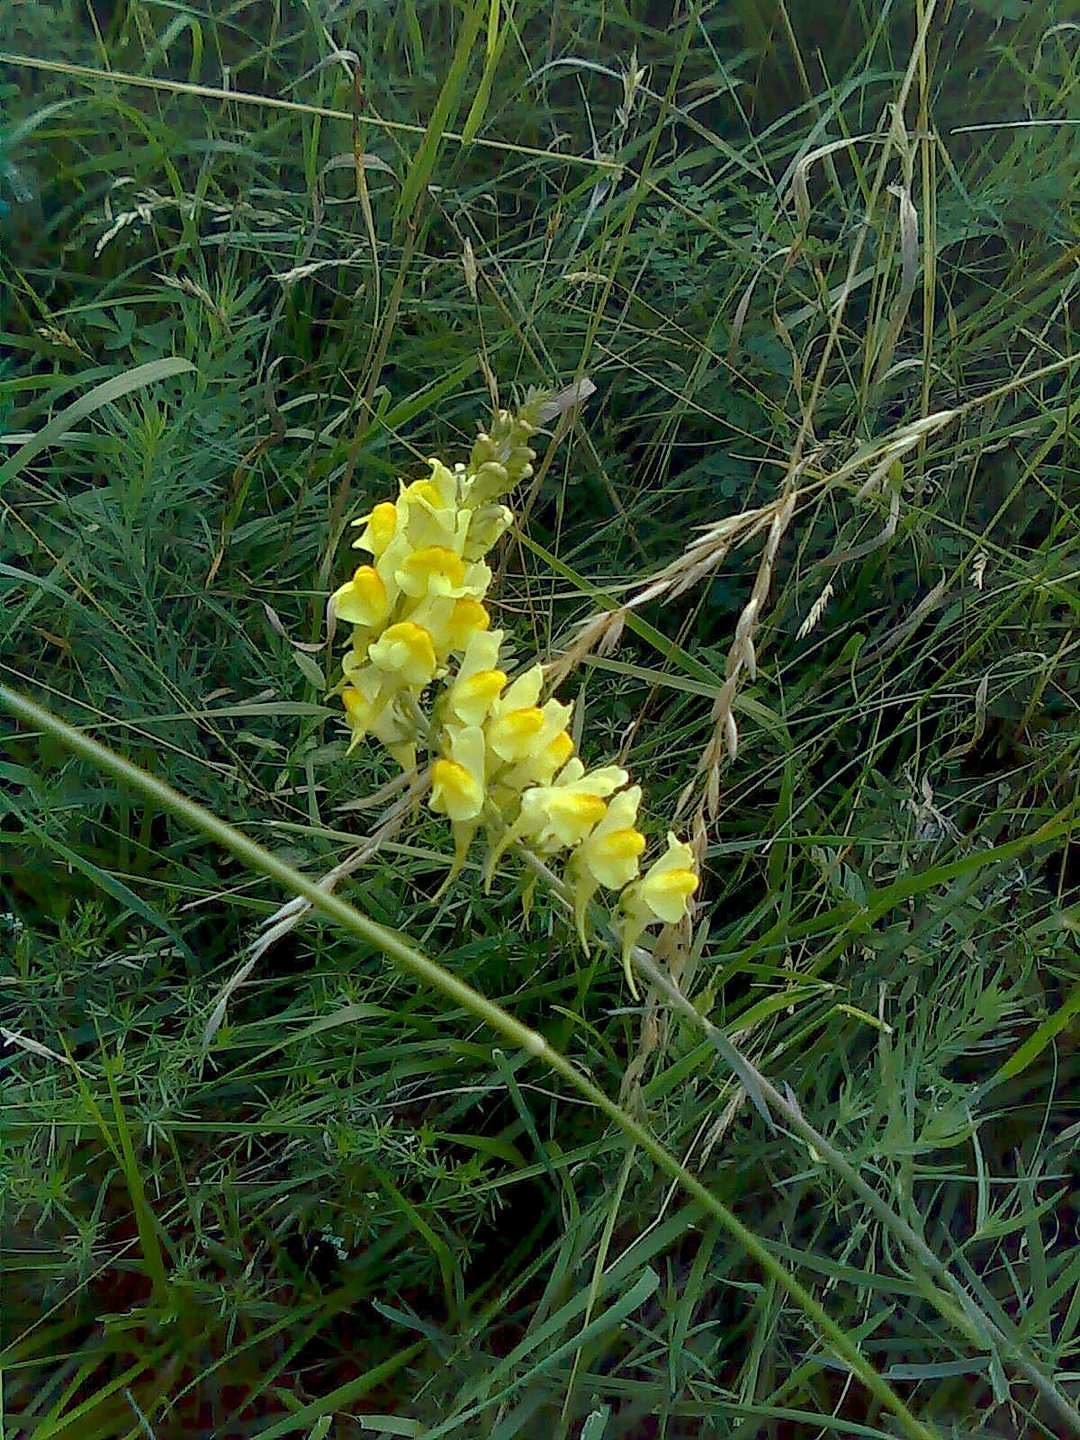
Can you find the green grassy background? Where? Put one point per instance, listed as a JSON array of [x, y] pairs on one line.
[[350, 1211]]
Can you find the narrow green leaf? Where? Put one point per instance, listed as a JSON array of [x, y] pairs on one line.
[[343, 1398], [442, 117], [103, 394], [1035, 1044]]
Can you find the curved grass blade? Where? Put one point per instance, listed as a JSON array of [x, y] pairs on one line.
[[406, 957], [103, 394]]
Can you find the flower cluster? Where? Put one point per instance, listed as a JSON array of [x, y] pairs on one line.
[[504, 759], [419, 601], [508, 763]]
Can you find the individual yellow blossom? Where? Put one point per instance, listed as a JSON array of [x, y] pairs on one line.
[[430, 512], [549, 752], [512, 734], [370, 710], [405, 650], [563, 813], [457, 780], [481, 652], [362, 600], [458, 788], [474, 697], [360, 712], [662, 895], [442, 619], [478, 683], [665, 890], [434, 568], [379, 528], [609, 855], [467, 617], [558, 816]]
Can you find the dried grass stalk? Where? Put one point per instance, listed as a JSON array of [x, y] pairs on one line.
[[289, 915]]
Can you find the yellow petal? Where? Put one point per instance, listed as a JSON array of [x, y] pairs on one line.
[[572, 815], [434, 566], [363, 599], [525, 691], [667, 894], [513, 734], [454, 792], [613, 858], [379, 528], [467, 619], [559, 751], [472, 699], [405, 649]]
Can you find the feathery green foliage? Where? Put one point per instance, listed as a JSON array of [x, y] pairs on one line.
[[251, 273]]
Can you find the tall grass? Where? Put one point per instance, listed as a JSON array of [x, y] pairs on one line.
[[807, 558]]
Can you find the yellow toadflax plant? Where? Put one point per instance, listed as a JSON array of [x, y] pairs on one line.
[[423, 669]]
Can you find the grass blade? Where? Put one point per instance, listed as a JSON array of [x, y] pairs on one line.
[[442, 117], [103, 394], [404, 955]]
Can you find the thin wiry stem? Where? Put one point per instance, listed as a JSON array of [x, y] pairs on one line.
[[400, 951], [958, 1307]]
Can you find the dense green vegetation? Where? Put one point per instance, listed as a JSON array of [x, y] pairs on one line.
[[824, 312]]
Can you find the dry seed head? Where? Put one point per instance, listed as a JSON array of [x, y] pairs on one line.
[[816, 611], [731, 735], [600, 632], [468, 264], [746, 621], [699, 840]]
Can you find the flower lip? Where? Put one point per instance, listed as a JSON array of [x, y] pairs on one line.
[[363, 599], [512, 734], [379, 528], [405, 649]]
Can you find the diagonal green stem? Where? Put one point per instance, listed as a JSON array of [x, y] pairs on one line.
[[958, 1306], [407, 958]]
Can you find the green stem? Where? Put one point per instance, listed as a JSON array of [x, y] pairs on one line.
[[963, 1312], [958, 1307], [404, 955]]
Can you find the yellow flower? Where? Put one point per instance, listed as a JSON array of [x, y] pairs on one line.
[[405, 650], [665, 890], [433, 568], [609, 855], [370, 710], [512, 735], [502, 752], [551, 749], [449, 626], [562, 814], [478, 683], [379, 528], [558, 816], [467, 617], [360, 711], [457, 780], [662, 894], [362, 600], [429, 510]]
